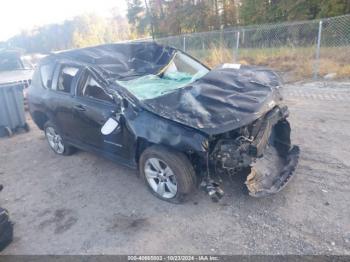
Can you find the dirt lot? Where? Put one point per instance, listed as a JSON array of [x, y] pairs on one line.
[[84, 204]]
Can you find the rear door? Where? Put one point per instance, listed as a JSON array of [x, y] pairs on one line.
[[61, 99]]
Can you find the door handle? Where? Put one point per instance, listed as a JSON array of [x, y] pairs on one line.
[[79, 107]]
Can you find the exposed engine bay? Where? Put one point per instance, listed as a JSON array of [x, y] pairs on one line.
[[261, 150]]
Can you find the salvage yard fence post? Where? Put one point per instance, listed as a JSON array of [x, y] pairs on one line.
[[184, 43], [236, 52], [318, 46]]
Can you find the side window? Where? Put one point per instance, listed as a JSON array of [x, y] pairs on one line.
[[185, 64], [65, 78], [46, 72], [92, 89]]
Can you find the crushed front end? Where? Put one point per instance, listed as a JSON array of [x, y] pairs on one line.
[[261, 150]]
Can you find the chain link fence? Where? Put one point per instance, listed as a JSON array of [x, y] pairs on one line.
[[299, 50]]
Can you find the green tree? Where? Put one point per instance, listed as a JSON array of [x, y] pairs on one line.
[[85, 30], [271, 11], [254, 11], [138, 17], [334, 8]]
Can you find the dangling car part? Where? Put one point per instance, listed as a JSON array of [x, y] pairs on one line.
[[262, 150], [158, 109]]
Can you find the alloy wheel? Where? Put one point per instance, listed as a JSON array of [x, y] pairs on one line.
[[55, 140], [160, 177]]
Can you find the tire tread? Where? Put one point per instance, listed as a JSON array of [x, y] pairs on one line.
[[186, 179]]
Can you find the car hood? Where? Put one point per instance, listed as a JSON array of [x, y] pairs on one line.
[[222, 100]]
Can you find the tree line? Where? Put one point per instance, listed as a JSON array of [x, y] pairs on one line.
[[159, 18], [173, 17], [84, 30]]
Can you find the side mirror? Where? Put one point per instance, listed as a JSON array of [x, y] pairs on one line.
[[110, 125], [120, 106]]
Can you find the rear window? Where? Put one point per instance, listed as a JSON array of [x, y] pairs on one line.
[[46, 72]]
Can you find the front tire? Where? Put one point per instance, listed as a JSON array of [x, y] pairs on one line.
[[168, 174], [56, 141]]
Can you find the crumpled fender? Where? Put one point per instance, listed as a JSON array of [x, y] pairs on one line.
[[165, 132]]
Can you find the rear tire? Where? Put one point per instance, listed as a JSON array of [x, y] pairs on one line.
[[56, 141], [26, 127], [168, 174]]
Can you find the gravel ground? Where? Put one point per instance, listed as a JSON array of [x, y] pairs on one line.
[[84, 204]]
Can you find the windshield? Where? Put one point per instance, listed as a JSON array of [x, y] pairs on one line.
[[181, 71], [10, 62]]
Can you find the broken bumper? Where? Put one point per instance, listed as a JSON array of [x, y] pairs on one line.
[[271, 173]]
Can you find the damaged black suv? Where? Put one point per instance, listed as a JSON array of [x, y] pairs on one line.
[[157, 109]]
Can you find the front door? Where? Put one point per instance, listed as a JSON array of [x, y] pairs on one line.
[[93, 107]]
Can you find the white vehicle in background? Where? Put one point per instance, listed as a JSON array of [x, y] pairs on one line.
[[15, 68]]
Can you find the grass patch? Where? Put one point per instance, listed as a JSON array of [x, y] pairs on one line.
[[294, 63]]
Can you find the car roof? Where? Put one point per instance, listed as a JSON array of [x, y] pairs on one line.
[[120, 60]]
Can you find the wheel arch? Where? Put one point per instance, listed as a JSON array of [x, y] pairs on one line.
[[141, 145], [194, 157], [40, 119]]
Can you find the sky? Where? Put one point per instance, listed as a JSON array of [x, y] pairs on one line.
[[18, 15]]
